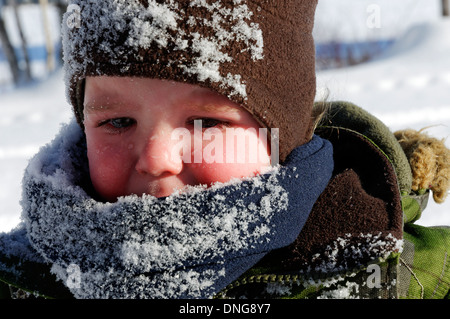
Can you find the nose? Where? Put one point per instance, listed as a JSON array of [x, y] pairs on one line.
[[157, 157]]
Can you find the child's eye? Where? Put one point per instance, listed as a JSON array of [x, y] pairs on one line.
[[122, 122], [210, 122], [118, 124]]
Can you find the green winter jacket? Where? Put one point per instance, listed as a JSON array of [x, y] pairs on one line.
[[360, 240], [349, 246]]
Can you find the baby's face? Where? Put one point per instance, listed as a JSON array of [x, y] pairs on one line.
[[148, 136]]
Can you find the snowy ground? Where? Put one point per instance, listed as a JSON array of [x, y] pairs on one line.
[[409, 86], [30, 118]]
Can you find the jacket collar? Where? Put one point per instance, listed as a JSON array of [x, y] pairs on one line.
[[357, 219]]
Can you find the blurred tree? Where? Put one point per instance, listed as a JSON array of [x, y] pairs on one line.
[[6, 46], [48, 38], [445, 8], [15, 7], [9, 51], [61, 5]]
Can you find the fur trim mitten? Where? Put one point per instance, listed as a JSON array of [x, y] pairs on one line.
[[430, 162]]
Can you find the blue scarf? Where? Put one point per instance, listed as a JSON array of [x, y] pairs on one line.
[[191, 244]]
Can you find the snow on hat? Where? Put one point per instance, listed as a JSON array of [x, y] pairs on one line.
[[260, 54]]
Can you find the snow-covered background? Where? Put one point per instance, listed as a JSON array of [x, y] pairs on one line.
[[408, 85]]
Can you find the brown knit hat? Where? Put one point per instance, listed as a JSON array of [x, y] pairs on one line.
[[260, 54]]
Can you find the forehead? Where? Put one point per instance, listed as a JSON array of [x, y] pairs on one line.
[[106, 93]]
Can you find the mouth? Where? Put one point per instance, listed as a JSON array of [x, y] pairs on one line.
[[159, 190]]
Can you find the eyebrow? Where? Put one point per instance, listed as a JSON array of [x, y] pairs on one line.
[[110, 103], [212, 107], [103, 107], [93, 107]]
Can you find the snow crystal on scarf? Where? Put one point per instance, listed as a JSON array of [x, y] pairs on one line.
[[158, 24]]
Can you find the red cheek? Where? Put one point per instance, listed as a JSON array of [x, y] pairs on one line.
[[108, 174], [208, 174]]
